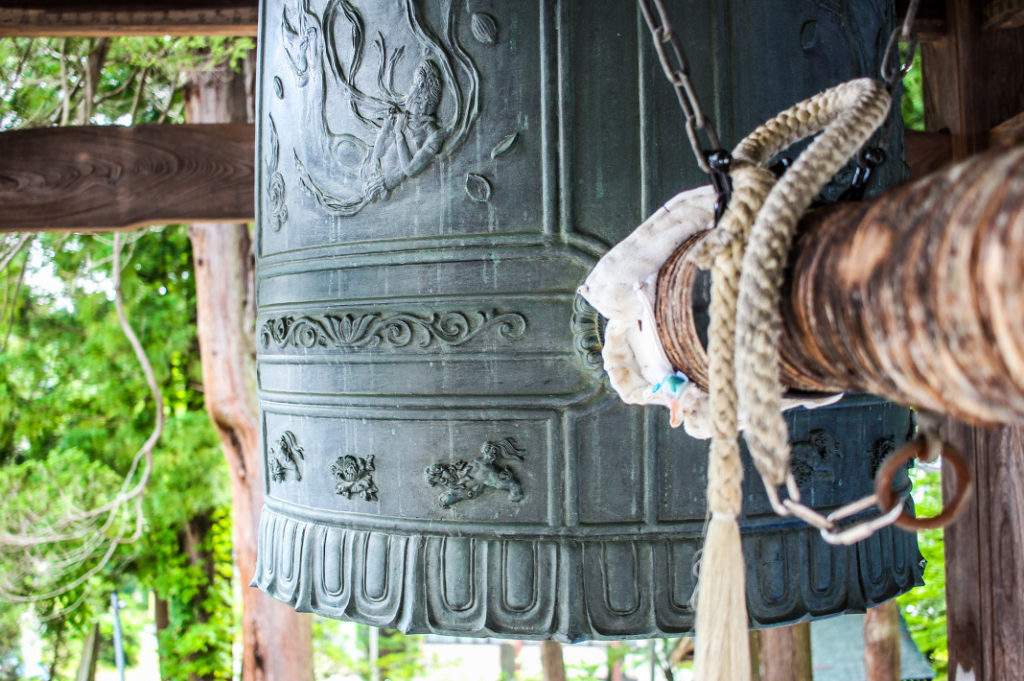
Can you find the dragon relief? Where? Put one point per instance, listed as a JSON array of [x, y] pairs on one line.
[[362, 136], [464, 480]]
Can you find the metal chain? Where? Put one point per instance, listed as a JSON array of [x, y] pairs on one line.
[[893, 67], [715, 162], [677, 71], [828, 525]]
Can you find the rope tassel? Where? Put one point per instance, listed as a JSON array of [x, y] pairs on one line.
[[722, 648]]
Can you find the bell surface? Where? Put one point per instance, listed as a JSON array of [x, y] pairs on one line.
[[442, 453]]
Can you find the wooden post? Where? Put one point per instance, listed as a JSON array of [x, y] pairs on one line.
[[551, 661], [973, 82], [785, 653], [882, 642]]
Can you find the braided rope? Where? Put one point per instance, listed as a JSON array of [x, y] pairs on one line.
[[724, 248], [748, 252], [848, 114]]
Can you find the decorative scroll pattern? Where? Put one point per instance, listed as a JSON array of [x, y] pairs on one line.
[[378, 330]]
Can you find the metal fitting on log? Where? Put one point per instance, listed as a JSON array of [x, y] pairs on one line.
[[916, 295]]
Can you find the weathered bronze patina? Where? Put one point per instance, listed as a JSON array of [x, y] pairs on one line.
[[442, 453]]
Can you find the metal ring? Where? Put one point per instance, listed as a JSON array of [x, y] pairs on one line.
[[916, 449]]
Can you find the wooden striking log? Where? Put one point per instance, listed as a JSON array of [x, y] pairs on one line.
[[112, 177], [917, 295], [39, 18]]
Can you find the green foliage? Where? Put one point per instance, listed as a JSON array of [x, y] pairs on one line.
[[11, 658], [912, 101], [46, 81], [197, 642], [342, 648], [73, 410], [74, 406], [924, 608]]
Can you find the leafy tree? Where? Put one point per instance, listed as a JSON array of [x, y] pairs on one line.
[[924, 608], [74, 406]]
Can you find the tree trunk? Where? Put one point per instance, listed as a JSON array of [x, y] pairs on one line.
[[277, 641], [551, 661], [882, 642], [785, 653], [192, 540]]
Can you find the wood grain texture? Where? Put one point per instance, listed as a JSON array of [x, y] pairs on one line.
[[276, 640], [913, 295], [985, 558], [1004, 14], [882, 642], [973, 81], [785, 653], [551, 661], [927, 151], [31, 18], [1007, 133], [100, 178]]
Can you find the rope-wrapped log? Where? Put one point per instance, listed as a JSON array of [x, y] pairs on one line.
[[916, 295]]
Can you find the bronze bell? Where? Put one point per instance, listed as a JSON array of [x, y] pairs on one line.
[[442, 452]]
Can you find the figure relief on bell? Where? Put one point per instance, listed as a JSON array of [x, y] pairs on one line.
[[284, 458], [376, 111], [464, 480]]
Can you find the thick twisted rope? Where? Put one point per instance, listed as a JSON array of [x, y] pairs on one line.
[[723, 249], [742, 354], [848, 114]]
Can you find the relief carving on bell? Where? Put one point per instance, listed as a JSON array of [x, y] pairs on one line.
[[443, 453]]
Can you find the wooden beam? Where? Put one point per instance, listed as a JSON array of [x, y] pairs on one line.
[[41, 18], [1004, 14], [927, 151], [1007, 133], [100, 178], [973, 81]]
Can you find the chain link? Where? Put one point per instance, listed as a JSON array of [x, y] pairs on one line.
[[677, 71], [715, 162], [828, 525], [894, 68]]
